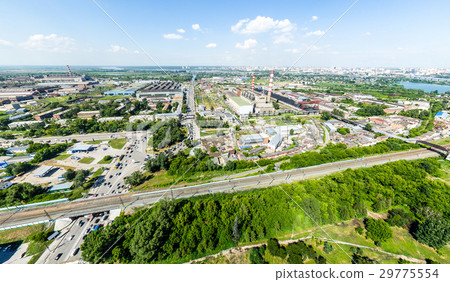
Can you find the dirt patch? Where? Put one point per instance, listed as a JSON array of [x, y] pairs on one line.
[[377, 215]]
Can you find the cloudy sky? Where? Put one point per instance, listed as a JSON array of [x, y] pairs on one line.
[[382, 33]]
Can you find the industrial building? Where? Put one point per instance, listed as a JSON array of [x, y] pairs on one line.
[[47, 114], [253, 139], [24, 123], [60, 115], [441, 116], [63, 187], [105, 119], [162, 91], [127, 90], [80, 149], [275, 141], [239, 105], [19, 117], [44, 171], [16, 150], [17, 95], [88, 114], [168, 116]]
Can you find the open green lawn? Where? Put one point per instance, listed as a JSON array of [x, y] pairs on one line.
[[96, 142], [86, 160], [402, 243], [98, 172], [62, 157], [160, 179], [105, 162], [19, 234], [442, 141], [118, 143]]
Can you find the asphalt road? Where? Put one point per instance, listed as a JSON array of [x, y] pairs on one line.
[[108, 202], [69, 240], [113, 182]]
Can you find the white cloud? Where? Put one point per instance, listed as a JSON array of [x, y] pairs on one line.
[[172, 36], [284, 38], [315, 33], [314, 18], [118, 49], [5, 43], [180, 30], [249, 43], [52, 43], [196, 27], [367, 33], [211, 45], [293, 50], [235, 28], [262, 24]]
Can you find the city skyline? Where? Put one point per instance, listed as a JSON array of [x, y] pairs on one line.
[[382, 34]]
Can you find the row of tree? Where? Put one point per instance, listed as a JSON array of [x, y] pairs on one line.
[[176, 231]]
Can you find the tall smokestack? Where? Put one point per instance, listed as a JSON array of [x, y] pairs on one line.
[[253, 82], [269, 93], [68, 69]]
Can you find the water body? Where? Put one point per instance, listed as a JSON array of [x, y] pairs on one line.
[[427, 87]]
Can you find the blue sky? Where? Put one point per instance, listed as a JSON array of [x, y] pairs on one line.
[[254, 33]]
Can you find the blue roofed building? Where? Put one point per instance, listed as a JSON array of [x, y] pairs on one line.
[[441, 116], [80, 149]]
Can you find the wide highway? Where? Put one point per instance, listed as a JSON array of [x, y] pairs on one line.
[[103, 203]]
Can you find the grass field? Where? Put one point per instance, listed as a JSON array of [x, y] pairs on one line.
[[442, 141], [160, 179], [86, 160], [118, 143], [402, 242], [19, 234], [96, 142], [102, 161], [98, 172], [62, 157]]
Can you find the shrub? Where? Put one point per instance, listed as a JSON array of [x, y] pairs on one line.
[[377, 230], [327, 248], [398, 217], [275, 249]]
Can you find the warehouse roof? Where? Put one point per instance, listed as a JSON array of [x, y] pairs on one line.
[[59, 187], [239, 101], [43, 171]]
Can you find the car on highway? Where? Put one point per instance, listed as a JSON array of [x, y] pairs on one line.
[[70, 238], [58, 256], [81, 223], [88, 230]]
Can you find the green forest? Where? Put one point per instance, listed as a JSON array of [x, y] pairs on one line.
[[181, 230]]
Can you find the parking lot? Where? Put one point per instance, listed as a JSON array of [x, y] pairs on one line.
[[97, 153], [52, 178]]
